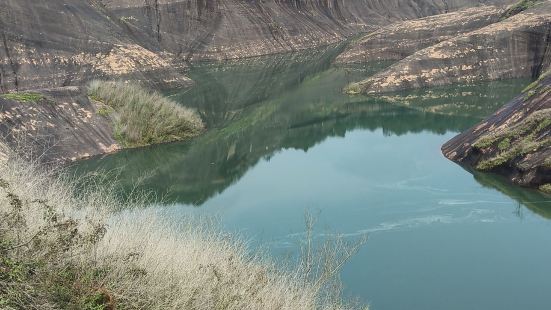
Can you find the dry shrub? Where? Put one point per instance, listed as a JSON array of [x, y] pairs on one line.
[[88, 251]]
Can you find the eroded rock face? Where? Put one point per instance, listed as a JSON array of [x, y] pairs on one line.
[[56, 126], [516, 47], [58, 43], [401, 39], [67, 42], [222, 29], [515, 141]]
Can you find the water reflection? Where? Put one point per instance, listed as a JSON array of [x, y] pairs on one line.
[[256, 107], [283, 138], [536, 201]]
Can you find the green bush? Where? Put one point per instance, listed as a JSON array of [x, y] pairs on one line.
[[143, 117]]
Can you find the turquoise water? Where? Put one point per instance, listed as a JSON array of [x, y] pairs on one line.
[[282, 139]]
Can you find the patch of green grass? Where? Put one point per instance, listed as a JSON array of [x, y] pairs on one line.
[[520, 7], [518, 140], [353, 89], [104, 111], [26, 97], [536, 88], [97, 301], [141, 117], [95, 98], [504, 144]]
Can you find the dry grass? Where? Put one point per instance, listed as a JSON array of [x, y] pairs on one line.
[[142, 117], [59, 250]]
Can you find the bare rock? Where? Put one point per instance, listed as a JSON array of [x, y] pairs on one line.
[[55, 126], [515, 47], [401, 39]]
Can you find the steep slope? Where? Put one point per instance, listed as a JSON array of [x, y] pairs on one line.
[[401, 39], [66, 42], [515, 47], [515, 141], [58, 43], [219, 29], [54, 126]]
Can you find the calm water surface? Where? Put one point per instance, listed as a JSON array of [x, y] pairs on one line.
[[282, 139]]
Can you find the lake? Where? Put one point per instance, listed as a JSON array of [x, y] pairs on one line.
[[284, 140]]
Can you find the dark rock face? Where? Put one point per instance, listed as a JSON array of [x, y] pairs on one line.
[[516, 47], [62, 125], [401, 39], [515, 141], [67, 42]]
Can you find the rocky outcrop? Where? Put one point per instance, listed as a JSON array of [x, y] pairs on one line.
[[54, 126], [58, 43], [518, 46], [401, 39], [515, 141], [222, 29]]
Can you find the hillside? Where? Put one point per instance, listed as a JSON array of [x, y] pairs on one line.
[[65, 43], [513, 47]]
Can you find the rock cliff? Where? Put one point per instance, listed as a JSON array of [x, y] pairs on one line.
[[54, 126], [514, 142], [221, 29], [62, 44], [401, 39], [58, 43], [517, 46]]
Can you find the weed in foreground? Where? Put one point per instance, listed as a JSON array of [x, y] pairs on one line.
[[64, 250]]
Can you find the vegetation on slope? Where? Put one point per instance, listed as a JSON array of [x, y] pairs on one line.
[[142, 117], [529, 135], [61, 250], [520, 7], [525, 137], [23, 96]]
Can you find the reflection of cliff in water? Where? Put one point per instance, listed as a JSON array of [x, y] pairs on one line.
[[223, 89], [534, 200], [258, 107]]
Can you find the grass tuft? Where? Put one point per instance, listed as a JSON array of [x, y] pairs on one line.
[[353, 89], [142, 117], [26, 97]]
